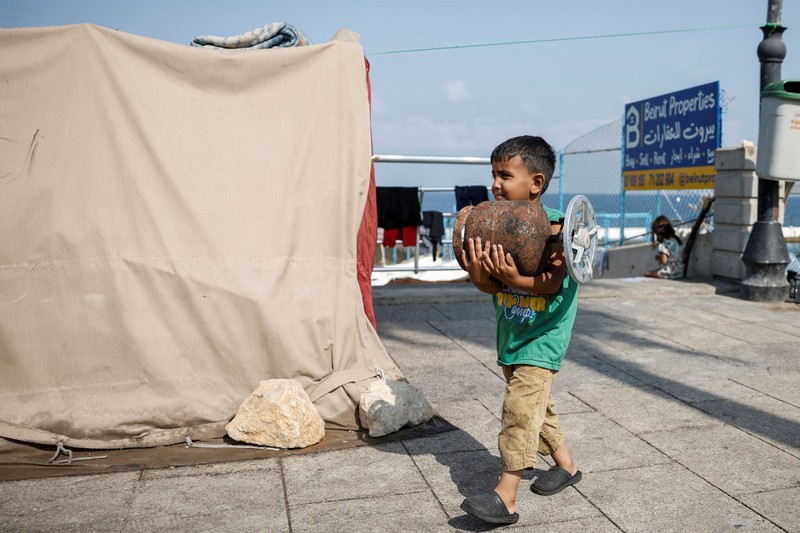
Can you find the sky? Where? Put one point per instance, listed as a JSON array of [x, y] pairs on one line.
[[576, 75]]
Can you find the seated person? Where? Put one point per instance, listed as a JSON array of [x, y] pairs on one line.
[[668, 254]]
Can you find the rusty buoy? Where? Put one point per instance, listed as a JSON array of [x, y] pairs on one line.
[[522, 227]]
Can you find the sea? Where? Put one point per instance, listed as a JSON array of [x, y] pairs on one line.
[[640, 209]]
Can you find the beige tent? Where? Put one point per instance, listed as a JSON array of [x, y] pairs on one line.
[[177, 224]]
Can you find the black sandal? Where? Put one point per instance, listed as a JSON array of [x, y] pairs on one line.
[[490, 508], [554, 481]]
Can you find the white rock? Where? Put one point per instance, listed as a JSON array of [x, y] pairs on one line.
[[279, 413], [387, 405]]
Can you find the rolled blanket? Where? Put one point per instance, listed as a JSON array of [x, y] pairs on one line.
[[273, 35]]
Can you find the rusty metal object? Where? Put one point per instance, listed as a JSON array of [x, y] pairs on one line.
[[522, 227]]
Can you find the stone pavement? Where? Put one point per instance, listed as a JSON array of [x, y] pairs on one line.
[[680, 403]]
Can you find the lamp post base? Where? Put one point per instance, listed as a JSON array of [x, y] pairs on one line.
[[765, 259]]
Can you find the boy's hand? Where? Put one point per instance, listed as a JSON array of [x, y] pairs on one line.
[[479, 275], [501, 265]]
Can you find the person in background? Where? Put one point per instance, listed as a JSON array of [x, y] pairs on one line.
[[669, 253]]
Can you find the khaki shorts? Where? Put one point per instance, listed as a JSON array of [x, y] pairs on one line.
[[529, 422]]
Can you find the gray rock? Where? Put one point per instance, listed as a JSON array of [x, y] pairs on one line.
[[387, 405]]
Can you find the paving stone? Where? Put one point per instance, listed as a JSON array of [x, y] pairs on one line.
[[698, 338], [758, 312], [478, 429], [598, 444], [765, 358], [708, 390], [765, 417], [362, 472], [67, 503], [591, 373], [405, 313], [476, 337], [668, 499], [413, 512], [758, 334], [789, 326], [783, 386], [781, 506], [212, 469], [599, 524], [644, 408], [639, 315], [455, 475], [252, 499], [464, 381], [591, 322], [566, 403], [729, 458], [666, 366], [631, 340], [430, 359], [700, 314], [468, 310], [413, 337], [584, 345]]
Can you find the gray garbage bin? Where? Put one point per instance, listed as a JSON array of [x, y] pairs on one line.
[[779, 131]]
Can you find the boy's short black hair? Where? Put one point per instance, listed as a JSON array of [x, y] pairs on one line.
[[535, 152]]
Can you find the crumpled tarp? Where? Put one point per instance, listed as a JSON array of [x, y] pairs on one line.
[[275, 34]]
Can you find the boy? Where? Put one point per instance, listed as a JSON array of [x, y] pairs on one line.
[[530, 349]]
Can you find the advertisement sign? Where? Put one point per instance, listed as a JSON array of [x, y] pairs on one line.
[[670, 140]]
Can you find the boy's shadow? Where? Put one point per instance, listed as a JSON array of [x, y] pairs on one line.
[[472, 467]]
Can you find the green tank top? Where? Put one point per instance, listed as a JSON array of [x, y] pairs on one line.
[[536, 330]]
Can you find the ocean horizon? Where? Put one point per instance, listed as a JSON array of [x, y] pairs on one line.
[[681, 208], [640, 209]]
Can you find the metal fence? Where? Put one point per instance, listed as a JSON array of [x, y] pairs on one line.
[[408, 260], [591, 164]]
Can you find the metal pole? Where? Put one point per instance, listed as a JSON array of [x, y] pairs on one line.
[[561, 180], [766, 256], [621, 189]]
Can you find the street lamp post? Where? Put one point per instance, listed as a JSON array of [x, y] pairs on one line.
[[766, 256]]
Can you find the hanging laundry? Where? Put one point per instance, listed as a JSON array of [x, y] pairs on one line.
[[407, 234], [433, 229], [398, 209], [470, 195]]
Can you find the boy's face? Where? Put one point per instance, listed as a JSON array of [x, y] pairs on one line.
[[513, 181]]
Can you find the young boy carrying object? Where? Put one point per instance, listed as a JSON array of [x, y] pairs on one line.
[[530, 343]]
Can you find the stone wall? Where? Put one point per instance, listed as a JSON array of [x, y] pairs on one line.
[[735, 209]]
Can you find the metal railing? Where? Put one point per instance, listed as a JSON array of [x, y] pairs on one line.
[[448, 217]]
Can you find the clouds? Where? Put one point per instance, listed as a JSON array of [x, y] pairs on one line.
[[457, 91]]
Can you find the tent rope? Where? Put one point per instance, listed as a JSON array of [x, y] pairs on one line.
[[191, 444], [68, 461]]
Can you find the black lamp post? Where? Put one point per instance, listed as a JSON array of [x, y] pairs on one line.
[[766, 256]]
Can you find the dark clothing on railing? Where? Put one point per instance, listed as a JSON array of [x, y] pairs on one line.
[[398, 207], [470, 195]]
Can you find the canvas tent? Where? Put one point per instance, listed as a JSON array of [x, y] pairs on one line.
[[177, 224]]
